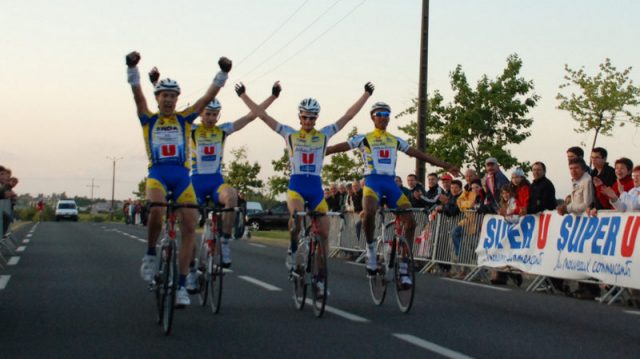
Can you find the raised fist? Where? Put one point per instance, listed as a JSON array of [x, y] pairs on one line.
[[225, 64], [369, 87], [275, 90], [240, 89], [154, 75], [132, 59]]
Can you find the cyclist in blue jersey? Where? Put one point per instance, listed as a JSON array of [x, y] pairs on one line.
[[379, 153], [306, 153], [166, 135]]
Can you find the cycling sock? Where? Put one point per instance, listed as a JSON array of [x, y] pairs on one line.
[[293, 247], [182, 281], [151, 251]]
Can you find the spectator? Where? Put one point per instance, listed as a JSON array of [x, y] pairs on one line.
[[132, 212], [416, 191], [356, 197], [125, 211], [6, 189], [509, 204], [450, 203], [577, 152], [629, 199], [542, 193], [606, 176], [446, 184], [342, 194], [405, 190], [623, 183], [521, 188], [334, 198], [582, 194], [432, 197], [465, 202], [469, 175], [493, 180]]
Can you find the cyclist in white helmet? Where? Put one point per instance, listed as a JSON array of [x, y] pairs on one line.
[[166, 135], [379, 152], [306, 152]]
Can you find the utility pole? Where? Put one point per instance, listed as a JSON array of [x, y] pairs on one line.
[[421, 142], [113, 183], [92, 187]]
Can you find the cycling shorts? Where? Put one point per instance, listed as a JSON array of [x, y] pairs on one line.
[[377, 186], [208, 185], [174, 178], [309, 189]]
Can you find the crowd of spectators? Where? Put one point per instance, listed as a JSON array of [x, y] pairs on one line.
[[7, 184]]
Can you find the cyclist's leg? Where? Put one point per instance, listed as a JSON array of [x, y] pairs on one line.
[[155, 193], [295, 203], [185, 194], [228, 198], [318, 204], [370, 200]]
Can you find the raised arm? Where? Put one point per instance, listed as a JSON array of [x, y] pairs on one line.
[[260, 112], [244, 120], [218, 82], [413, 152], [356, 107], [133, 78], [337, 148]]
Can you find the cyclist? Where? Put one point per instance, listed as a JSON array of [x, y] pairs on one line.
[[168, 148], [306, 152], [379, 152]]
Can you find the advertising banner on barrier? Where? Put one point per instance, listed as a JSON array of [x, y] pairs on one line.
[[570, 247]]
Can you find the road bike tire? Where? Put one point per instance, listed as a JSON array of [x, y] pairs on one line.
[[217, 276], [318, 259], [298, 280], [404, 292], [203, 267], [378, 282], [170, 285], [159, 287]]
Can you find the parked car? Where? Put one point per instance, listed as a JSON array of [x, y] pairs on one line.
[[274, 217], [66, 209], [254, 207]]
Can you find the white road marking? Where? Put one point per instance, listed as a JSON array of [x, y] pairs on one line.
[[258, 245], [29, 235], [342, 313], [26, 241], [260, 283], [431, 346], [21, 249], [356, 264], [13, 260], [477, 284], [4, 279], [634, 312]]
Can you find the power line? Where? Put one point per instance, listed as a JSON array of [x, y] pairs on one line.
[[297, 36], [311, 42], [286, 21]]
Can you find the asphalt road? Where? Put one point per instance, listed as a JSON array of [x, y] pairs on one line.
[[75, 292]]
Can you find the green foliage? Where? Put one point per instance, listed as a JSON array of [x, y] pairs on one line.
[[279, 183], [344, 167], [241, 174], [481, 121], [603, 99], [142, 189]]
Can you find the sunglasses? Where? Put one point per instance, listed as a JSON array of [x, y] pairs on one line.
[[382, 114], [311, 118]]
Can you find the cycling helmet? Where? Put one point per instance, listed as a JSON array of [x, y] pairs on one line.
[[380, 106], [214, 105], [167, 85], [310, 105]]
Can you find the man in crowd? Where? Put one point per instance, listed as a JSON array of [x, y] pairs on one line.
[[542, 193], [492, 183], [601, 174]]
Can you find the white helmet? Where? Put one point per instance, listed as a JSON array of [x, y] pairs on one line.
[[380, 106], [166, 85], [214, 105], [310, 105]]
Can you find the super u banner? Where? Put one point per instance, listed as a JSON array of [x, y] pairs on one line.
[[570, 247]]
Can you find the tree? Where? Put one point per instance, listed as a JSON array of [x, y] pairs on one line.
[[279, 183], [603, 99], [344, 167], [242, 175], [480, 122], [142, 189]]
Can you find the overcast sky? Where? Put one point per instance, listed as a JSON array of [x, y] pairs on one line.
[[68, 106]]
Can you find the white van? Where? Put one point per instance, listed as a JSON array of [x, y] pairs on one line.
[[66, 209]]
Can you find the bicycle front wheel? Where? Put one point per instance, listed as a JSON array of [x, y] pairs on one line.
[[404, 275], [217, 274], [378, 282], [319, 284], [298, 282], [203, 268], [170, 284]]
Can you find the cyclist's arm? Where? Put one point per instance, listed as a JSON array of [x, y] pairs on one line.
[[337, 148], [246, 119], [218, 82], [413, 152], [264, 116], [356, 107], [133, 78]]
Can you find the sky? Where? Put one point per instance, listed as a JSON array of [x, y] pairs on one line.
[[69, 110]]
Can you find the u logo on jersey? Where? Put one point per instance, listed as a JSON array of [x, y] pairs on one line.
[[209, 150], [168, 150], [383, 153], [308, 158]]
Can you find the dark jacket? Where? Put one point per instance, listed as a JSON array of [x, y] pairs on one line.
[[492, 200], [451, 208], [608, 178], [417, 203], [542, 196]]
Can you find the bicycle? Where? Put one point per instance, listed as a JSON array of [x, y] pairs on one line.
[[395, 254], [310, 266], [165, 281], [210, 258]]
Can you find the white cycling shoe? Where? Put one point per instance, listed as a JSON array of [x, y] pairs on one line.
[[148, 267]]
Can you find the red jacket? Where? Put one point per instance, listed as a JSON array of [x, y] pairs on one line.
[[522, 198], [626, 184]]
